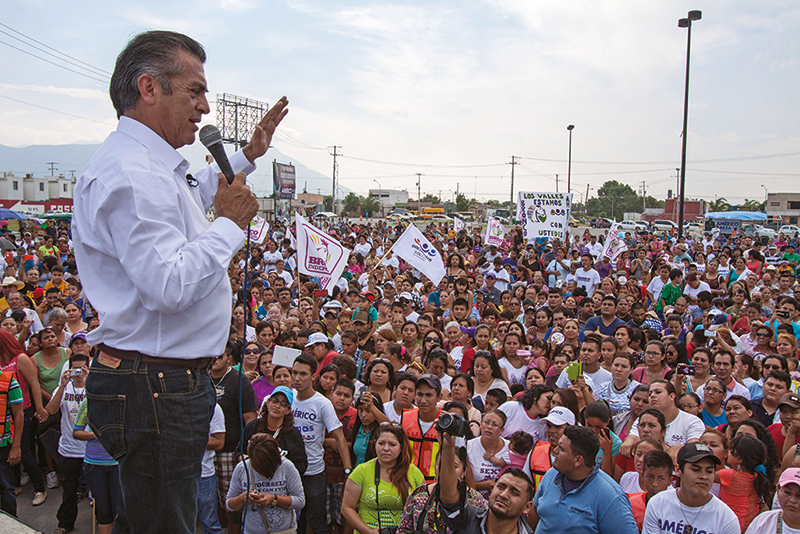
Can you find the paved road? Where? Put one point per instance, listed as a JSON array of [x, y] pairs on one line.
[[43, 517]]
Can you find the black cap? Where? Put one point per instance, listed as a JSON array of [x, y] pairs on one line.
[[430, 380], [694, 452]]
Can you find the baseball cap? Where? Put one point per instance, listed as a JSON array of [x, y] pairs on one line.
[[560, 416], [369, 295], [285, 391], [492, 246], [79, 335], [470, 330], [790, 476], [405, 295], [790, 399], [430, 380], [38, 293], [315, 338], [694, 452], [361, 317], [490, 275]]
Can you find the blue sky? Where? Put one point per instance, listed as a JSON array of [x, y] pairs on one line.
[[453, 89]]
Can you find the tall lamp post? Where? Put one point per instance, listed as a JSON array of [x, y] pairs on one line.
[[569, 159], [380, 197], [766, 198], [685, 23]]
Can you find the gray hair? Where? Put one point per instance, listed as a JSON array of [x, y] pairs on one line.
[[57, 313], [153, 53]]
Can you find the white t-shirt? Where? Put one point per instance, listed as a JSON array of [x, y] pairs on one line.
[[313, 417], [630, 482], [515, 376], [518, 419], [68, 446], [217, 426], [271, 256], [391, 413], [665, 511], [689, 291], [587, 280], [483, 469], [655, 287], [593, 380], [683, 428], [287, 277], [768, 522], [362, 249]]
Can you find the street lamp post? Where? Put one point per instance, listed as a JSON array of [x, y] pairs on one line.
[[766, 199], [380, 197], [569, 159], [685, 23]]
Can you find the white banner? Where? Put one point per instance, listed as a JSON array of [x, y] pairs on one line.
[[494, 232], [458, 224], [614, 245], [544, 215], [318, 254], [420, 253], [258, 228]]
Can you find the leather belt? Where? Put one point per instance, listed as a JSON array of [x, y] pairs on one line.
[[132, 356]]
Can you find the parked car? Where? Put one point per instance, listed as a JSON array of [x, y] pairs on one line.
[[440, 217], [632, 226], [573, 222], [756, 230], [692, 227], [601, 222], [661, 225], [789, 230]]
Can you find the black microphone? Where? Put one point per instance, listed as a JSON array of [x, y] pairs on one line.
[[212, 140]]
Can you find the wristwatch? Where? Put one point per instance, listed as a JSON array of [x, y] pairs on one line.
[[347, 471], [274, 500]]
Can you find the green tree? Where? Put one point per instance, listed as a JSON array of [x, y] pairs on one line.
[[433, 199], [372, 206], [752, 205], [719, 204], [352, 203], [463, 203], [614, 199], [327, 203]]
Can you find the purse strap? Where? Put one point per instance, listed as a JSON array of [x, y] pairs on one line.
[[377, 482]]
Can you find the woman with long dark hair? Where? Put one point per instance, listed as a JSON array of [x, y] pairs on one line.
[[376, 491], [13, 359]]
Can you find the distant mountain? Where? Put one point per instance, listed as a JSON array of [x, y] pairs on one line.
[[33, 159]]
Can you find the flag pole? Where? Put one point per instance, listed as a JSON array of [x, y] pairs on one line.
[[388, 251]]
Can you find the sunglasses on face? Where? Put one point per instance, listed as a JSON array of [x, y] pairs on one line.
[[432, 340], [281, 403], [252, 351]]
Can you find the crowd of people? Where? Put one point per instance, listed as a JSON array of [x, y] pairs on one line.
[[538, 386]]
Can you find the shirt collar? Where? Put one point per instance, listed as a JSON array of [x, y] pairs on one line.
[[153, 143], [559, 480]]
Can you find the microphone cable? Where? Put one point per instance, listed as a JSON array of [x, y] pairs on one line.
[[241, 374]]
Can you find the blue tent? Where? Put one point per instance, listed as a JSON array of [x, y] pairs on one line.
[[11, 214], [737, 215]]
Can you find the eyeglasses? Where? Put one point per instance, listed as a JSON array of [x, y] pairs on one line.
[[391, 424], [491, 424], [714, 390], [786, 494], [282, 403], [689, 406], [653, 354], [252, 351]]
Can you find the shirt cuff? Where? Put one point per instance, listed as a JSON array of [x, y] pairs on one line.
[[240, 163], [230, 232]]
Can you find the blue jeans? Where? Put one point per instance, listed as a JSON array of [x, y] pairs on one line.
[[313, 515], [8, 501], [154, 420], [207, 505], [103, 480]]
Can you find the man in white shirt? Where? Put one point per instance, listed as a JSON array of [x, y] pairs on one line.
[[314, 415], [594, 376], [156, 271], [658, 283], [594, 248], [16, 302], [723, 369], [586, 277]]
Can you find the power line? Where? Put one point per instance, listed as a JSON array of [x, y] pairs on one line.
[[55, 110], [424, 164], [100, 71], [53, 63], [717, 160], [76, 63]]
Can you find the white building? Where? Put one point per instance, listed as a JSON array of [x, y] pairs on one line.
[[389, 198], [784, 207]]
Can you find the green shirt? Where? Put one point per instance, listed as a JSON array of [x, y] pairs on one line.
[[793, 258], [388, 502], [669, 295], [14, 397]]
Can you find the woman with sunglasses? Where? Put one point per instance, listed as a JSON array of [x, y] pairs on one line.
[[377, 490], [763, 341], [249, 363], [276, 419]]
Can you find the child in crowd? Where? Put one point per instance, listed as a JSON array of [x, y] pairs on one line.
[[746, 487], [518, 450], [656, 477], [494, 399], [633, 481]]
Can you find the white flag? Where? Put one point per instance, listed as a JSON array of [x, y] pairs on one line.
[[614, 245], [494, 232], [318, 254], [420, 253], [458, 224]]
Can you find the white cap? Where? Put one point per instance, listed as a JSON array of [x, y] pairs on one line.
[[560, 416], [316, 337], [405, 295]]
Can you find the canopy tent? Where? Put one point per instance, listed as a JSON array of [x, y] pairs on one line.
[[11, 214], [737, 215], [57, 216]]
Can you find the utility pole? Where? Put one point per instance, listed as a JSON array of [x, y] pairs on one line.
[[513, 164], [644, 197], [52, 165], [556, 183], [419, 193], [335, 174], [586, 202], [72, 174]]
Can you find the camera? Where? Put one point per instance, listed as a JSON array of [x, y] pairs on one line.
[[781, 313], [76, 372], [453, 424]]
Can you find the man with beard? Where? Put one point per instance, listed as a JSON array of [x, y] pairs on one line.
[[509, 500], [576, 483]]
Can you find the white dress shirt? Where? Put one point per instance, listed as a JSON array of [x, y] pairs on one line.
[[150, 262]]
